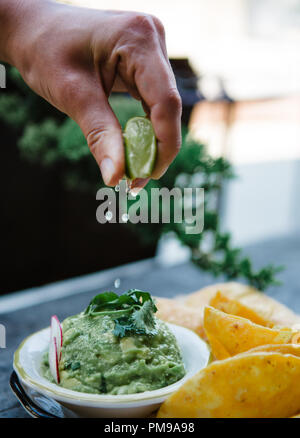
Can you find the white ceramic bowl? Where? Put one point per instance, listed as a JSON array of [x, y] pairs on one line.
[[27, 364]]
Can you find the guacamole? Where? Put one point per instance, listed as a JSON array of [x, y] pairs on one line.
[[95, 360]]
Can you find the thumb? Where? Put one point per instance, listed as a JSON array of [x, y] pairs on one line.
[[103, 134]]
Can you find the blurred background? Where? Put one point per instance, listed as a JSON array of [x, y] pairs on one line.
[[237, 66]]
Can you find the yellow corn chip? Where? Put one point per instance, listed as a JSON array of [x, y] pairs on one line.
[[237, 334], [293, 349], [216, 347], [174, 312], [265, 307], [203, 296], [253, 385], [234, 307]]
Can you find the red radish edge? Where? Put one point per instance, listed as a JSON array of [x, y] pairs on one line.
[[60, 329], [56, 331], [55, 347]]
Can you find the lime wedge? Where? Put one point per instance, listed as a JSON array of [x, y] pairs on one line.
[[140, 148]]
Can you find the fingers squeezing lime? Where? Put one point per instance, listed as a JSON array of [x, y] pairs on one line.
[[140, 148]]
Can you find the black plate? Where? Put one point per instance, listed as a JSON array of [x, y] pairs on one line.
[[30, 406]]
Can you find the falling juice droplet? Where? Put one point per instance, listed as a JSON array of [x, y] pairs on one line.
[[134, 193], [108, 215], [125, 217], [117, 283]]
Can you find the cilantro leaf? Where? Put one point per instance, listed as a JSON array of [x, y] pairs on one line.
[[112, 301], [143, 319], [135, 310], [123, 327], [140, 322], [141, 297], [101, 301]]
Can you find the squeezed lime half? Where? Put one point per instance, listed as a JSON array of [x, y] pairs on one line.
[[140, 148]]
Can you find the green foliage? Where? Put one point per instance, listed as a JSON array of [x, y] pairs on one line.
[[39, 142], [48, 137], [225, 260], [12, 109], [72, 144]]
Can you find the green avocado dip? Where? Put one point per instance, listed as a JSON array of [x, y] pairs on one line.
[[117, 346]]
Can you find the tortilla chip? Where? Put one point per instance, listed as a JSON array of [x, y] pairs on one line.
[[177, 313], [234, 307], [253, 385], [203, 296], [237, 334], [178, 309], [265, 307], [293, 349], [271, 310], [216, 347]]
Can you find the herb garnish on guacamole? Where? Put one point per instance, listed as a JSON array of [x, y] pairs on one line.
[[118, 346]]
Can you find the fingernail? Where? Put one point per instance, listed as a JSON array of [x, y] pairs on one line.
[[107, 170]]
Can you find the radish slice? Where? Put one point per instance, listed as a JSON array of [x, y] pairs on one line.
[[55, 347], [56, 332], [53, 359]]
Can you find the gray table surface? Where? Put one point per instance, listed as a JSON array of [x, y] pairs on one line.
[[35, 307]]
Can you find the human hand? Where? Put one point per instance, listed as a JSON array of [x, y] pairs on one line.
[[74, 57]]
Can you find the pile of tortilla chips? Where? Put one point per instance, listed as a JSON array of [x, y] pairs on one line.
[[255, 346]]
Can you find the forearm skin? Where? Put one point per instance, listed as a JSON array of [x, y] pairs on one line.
[[17, 20]]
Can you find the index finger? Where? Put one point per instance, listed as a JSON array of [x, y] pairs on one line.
[[156, 84]]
